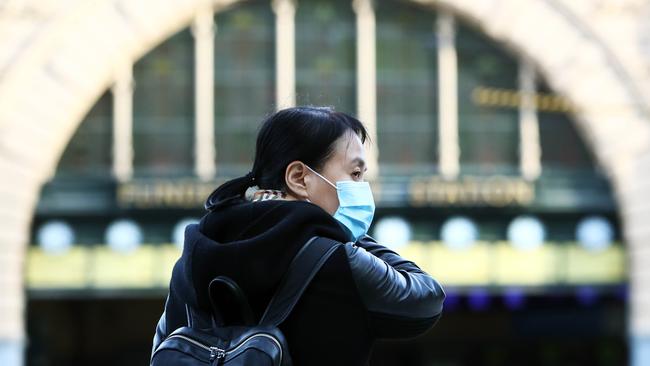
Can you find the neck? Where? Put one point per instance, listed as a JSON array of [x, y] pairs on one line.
[[291, 197]]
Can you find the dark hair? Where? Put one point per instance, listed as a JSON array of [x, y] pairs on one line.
[[304, 133]]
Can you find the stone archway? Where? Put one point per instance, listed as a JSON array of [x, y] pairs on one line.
[[64, 63], [612, 115], [59, 70]]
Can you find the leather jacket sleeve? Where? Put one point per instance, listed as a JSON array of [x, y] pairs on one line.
[[402, 300]]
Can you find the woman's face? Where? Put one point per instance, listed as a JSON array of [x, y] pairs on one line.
[[347, 162]]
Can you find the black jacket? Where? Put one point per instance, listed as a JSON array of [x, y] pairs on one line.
[[363, 292]]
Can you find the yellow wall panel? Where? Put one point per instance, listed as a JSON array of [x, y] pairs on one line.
[[67, 270], [514, 266], [114, 270], [607, 266], [460, 267]]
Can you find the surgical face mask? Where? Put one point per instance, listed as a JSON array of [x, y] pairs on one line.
[[356, 205]]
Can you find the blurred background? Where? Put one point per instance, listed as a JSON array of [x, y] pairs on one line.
[[510, 158]]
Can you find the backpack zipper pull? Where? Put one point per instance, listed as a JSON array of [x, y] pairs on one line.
[[217, 354]]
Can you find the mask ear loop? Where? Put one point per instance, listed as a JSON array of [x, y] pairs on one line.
[[325, 179]]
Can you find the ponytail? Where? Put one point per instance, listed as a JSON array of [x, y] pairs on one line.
[[306, 134], [230, 192]]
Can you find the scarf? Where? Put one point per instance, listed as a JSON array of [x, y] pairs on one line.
[[255, 194]]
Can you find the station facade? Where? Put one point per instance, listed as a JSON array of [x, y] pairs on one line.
[[509, 152]]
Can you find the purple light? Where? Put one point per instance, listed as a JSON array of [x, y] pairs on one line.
[[479, 300], [586, 295], [514, 298], [622, 293], [452, 300]]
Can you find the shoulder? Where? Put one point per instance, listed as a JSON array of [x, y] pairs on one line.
[[270, 220]]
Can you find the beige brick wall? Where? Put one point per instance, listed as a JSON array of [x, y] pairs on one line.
[[57, 57], [597, 53]]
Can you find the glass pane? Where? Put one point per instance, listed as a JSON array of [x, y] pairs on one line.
[[244, 81], [562, 147], [325, 54], [89, 151], [406, 88], [163, 109], [488, 135]]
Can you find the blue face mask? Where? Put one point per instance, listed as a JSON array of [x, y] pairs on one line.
[[356, 205]]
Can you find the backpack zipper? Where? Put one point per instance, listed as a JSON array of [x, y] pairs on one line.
[[241, 344], [218, 353]]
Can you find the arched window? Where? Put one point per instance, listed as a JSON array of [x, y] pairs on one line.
[[408, 95], [163, 109], [488, 135], [487, 89], [325, 54], [89, 152], [244, 86], [563, 148], [407, 89]]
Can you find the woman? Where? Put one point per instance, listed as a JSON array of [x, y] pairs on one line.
[[307, 180]]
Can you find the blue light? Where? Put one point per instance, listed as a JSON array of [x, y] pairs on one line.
[[526, 233], [459, 233], [393, 232], [594, 233], [55, 237], [123, 236]]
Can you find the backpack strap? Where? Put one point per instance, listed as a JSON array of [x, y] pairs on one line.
[[229, 304], [304, 266]]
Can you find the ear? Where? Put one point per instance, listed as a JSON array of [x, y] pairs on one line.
[[294, 177]]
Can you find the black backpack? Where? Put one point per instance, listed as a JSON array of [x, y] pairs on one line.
[[210, 339]]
